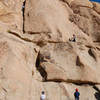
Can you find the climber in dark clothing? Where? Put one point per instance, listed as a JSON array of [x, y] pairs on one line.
[[23, 7], [73, 39], [76, 94]]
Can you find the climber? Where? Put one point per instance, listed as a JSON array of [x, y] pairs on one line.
[[76, 94], [23, 7], [42, 97], [73, 39]]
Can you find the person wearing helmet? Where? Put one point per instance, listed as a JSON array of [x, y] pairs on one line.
[[76, 94], [43, 96]]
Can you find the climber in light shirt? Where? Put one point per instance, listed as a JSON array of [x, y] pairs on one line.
[[43, 96]]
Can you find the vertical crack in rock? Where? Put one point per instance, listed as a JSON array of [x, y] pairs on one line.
[[41, 70], [23, 14]]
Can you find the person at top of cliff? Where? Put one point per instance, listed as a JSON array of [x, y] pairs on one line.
[[43, 96], [73, 39], [76, 94]]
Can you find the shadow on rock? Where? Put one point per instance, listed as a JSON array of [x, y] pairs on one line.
[[40, 68], [97, 94]]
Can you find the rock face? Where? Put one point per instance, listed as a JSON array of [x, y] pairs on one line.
[[36, 54], [11, 15], [87, 19], [16, 67]]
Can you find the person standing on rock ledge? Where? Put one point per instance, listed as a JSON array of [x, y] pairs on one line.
[[76, 94], [73, 39], [43, 96]]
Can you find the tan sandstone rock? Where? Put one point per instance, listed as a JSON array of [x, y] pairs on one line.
[[17, 61], [96, 7], [11, 14], [43, 58]]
